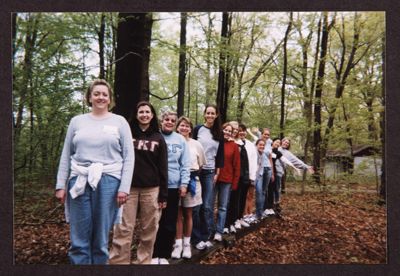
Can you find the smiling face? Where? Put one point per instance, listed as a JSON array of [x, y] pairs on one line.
[[260, 146], [285, 143], [100, 97], [265, 135], [144, 115], [227, 132], [235, 132], [168, 123], [210, 114], [184, 129], [276, 144], [242, 133]]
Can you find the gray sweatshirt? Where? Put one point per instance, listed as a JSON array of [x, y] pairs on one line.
[[293, 159], [91, 140]]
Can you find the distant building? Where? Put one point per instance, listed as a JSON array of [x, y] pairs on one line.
[[365, 161]]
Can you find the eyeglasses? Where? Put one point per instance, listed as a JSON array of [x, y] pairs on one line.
[[170, 120]]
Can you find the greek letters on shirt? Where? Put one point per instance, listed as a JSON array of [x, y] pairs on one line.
[[174, 148], [145, 145]]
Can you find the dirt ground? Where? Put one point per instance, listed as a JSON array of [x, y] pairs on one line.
[[316, 228]]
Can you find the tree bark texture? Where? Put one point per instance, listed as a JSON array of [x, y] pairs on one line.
[[132, 59], [182, 66], [224, 71], [318, 95]]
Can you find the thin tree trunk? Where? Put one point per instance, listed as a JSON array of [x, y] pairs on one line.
[[308, 93], [182, 65], [284, 75], [29, 47], [318, 97], [101, 35], [342, 78], [312, 88], [209, 91]]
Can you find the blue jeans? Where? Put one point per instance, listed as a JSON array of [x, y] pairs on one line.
[[223, 190], [269, 201], [277, 190], [260, 196], [92, 215], [205, 226], [261, 190]]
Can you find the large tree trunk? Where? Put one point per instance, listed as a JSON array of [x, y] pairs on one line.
[[284, 75], [224, 70], [182, 66], [318, 95], [132, 55]]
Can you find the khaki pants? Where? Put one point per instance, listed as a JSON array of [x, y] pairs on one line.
[[248, 209], [144, 201]]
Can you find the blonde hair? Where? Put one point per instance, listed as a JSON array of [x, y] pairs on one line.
[[168, 113], [99, 82]]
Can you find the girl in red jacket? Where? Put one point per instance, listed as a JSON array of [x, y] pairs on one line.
[[227, 179]]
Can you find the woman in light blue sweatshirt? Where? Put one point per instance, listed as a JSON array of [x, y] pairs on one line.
[[178, 180]]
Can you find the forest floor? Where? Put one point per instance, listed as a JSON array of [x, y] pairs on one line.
[[338, 227]]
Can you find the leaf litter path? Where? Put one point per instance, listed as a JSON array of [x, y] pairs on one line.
[[316, 229]]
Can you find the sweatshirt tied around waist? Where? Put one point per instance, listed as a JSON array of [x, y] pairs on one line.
[[91, 174]]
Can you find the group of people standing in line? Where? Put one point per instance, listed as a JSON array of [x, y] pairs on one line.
[[167, 174]]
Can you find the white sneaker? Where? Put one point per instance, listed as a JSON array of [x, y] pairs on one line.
[[232, 229], [243, 223], [217, 237], [208, 244], [177, 252], [163, 261], [201, 245], [264, 215], [247, 219], [187, 251], [226, 231], [237, 225], [155, 261], [251, 219], [271, 212]]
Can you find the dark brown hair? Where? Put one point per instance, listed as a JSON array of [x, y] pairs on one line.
[[134, 123], [216, 129]]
